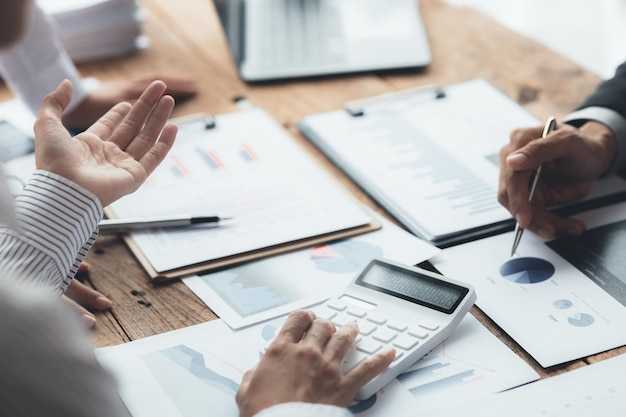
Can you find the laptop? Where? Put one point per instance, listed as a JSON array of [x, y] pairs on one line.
[[279, 39]]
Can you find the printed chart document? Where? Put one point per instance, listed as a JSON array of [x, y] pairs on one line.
[[246, 166], [561, 299], [267, 288], [196, 371], [430, 157], [594, 390]]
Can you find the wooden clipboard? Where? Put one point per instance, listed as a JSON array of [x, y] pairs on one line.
[[243, 257]]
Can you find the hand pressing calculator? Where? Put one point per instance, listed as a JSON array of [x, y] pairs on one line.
[[399, 306]]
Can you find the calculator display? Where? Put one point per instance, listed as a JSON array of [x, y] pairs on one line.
[[412, 286]]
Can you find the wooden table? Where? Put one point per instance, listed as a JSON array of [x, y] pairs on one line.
[[186, 39]]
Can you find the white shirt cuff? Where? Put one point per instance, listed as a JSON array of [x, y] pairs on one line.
[[304, 410]]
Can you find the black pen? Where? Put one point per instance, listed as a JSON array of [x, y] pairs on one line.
[[549, 127], [145, 223]]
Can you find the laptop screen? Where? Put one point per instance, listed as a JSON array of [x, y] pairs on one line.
[[232, 17], [280, 39]]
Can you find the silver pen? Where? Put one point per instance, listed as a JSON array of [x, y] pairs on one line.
[[145, 223], [549, 127]]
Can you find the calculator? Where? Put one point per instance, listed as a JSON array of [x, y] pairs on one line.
[[400, 306]]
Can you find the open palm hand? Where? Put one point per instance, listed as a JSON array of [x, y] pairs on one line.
[[116, 154]]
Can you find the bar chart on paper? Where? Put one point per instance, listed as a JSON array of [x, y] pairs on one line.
[[430, 158], [245, 167]]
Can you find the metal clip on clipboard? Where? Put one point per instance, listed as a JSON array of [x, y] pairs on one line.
[[356, 108]]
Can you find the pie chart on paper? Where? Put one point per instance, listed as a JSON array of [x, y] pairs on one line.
[[527, 270]]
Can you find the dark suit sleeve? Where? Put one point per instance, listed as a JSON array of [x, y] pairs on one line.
[[611, 93], [607, 105]]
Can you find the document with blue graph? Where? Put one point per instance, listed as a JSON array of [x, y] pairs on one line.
[[245, 166]]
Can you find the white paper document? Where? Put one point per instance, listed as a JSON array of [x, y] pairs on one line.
[[196, 371], [260, 290], [595, 390], [246, 167], [562, 299], [429, 157]]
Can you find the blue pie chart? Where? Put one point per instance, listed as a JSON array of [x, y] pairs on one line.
[[527, 270]]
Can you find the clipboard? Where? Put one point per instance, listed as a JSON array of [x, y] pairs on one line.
[[245, 166], [430, 157]]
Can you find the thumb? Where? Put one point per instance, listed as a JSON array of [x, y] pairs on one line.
[[52, 108]]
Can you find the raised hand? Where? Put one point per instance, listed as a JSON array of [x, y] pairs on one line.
[[117, 153]]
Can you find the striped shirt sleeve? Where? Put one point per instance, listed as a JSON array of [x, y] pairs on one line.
[[57, 225]]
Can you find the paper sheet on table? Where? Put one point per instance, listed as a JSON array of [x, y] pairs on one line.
[[431, 157], [247, 167], [560, 300], [196, 371], [595, 390], [260, 290]]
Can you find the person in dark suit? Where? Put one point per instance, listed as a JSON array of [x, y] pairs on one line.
[[589, 143]]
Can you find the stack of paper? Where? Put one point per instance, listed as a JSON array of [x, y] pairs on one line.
[[94, 29]]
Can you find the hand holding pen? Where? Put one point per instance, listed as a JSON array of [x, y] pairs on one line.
[[549, 127], [571, 159]]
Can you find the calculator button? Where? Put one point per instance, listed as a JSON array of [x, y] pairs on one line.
[[366, 328], [428, 325], [336, 305], [369, 346], [421, 333], [352, 359], [405, 342], [342, 320], [375, 318], [397, 325], [384, 335], [356, 312]]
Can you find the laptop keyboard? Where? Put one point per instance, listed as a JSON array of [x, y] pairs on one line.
[[301, 33]]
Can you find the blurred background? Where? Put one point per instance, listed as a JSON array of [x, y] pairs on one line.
[[591, 33]]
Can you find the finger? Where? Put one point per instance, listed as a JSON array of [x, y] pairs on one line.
[[157, 153], [368, 370], [517, 195], [52, 107], [297, 323], [87, 318], [104, 127], [319, 333], [135, 119], [548, 225], [87, 296], [340, 342], [150, 132], [83, 269], [180, 88], [540, 151]]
